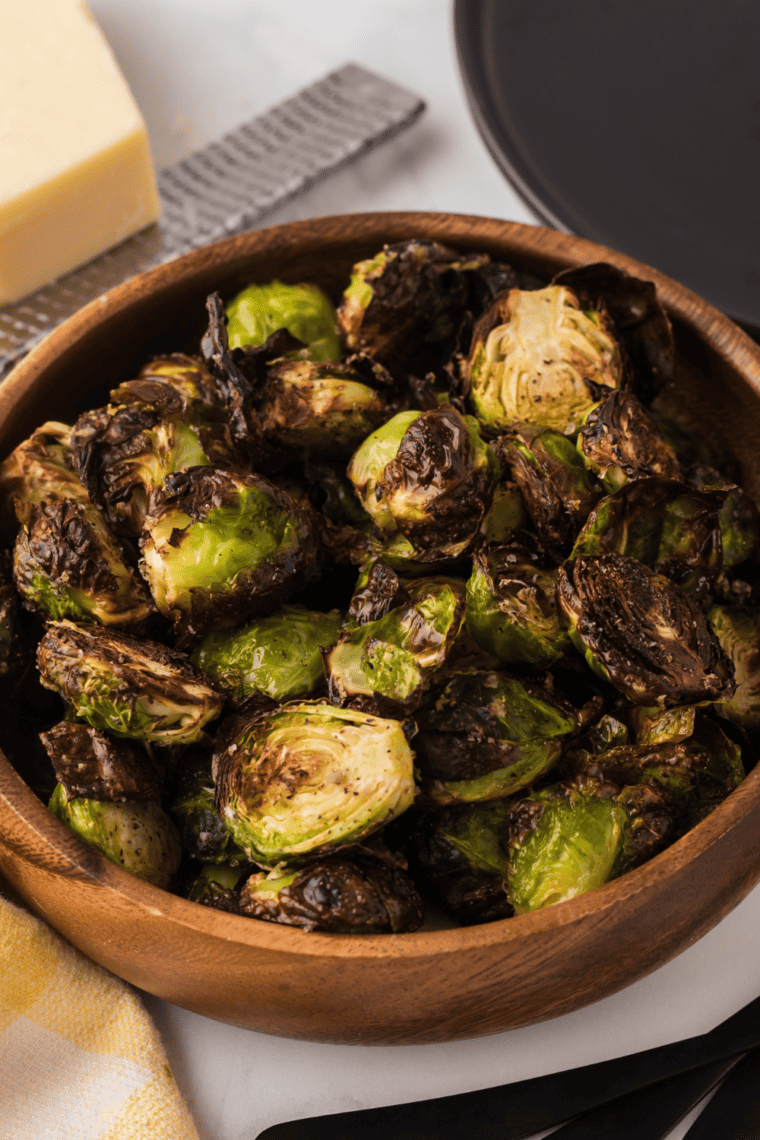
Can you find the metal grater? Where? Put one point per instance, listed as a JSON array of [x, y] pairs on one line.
[[228, 187]]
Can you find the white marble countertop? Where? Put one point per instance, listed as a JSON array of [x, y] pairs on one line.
[[199, 68]]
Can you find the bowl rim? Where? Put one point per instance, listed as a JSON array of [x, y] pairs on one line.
[[72, 858]]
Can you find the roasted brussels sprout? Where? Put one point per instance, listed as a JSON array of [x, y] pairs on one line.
[[90, 765], [139, 837], [642, 632], [360, 895], [608, 732], [691, 767], [67, 564], [277, 655], [488, 736], [505, 515], [403, 306], [557, 491], [383, 665], [186, 375], [428, 475], [620, 442], [124, 452], [669, 767], [321, 409], [40, 468], [378, 590], [537, 357], [131, 688], [217, 886], [671, 528], [460, 855], [66, 561], [738, 631], [639, 319], [236, 388], [219, 548], [203, 833], [739, 518], [652, 725], [304, 310], [564, 842], [511, 609], [310, 777], [723, 772]]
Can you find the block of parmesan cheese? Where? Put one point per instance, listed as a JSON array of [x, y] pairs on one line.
[[76, 175]]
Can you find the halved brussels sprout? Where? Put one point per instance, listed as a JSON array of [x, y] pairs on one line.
[[90, 765], [691, 769], [378, 590], [638, 317], [124, 452], [642, 632], [67, 564], [323, 409], [723, 771], [671, 528], [238, 374], [608, 732], [384, 664], [220, 547], [670, 768], [360, 895], [403, 557], [739, 518], [204, 835], [738, 631], [304, 310], [537, 357], [652, 725], [429, 475], [565, 842], [479, 832], [139, 837], [620, 442], [277, 655], [311, 777], [404, 305], [346, 532], [186, 375], [217, 886], [505, 515], [460, 855], [488, 736], [40, 468], [511, 609], [131, 688], [557, 490]]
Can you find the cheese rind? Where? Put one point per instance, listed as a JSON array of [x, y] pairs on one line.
[[76, 175]]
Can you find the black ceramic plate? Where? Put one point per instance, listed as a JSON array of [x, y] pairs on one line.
[[635, 125]]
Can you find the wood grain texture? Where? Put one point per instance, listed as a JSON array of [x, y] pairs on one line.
[[394, 989]]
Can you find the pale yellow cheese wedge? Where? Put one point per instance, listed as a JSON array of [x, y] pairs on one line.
[[76, 175]]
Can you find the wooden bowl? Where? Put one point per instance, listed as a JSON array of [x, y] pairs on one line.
[[410, 988]]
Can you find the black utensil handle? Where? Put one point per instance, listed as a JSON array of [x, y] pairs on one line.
[[734, 1111], [649, 1113]]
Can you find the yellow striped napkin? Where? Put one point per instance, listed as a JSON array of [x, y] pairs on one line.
[[80, 1058]]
